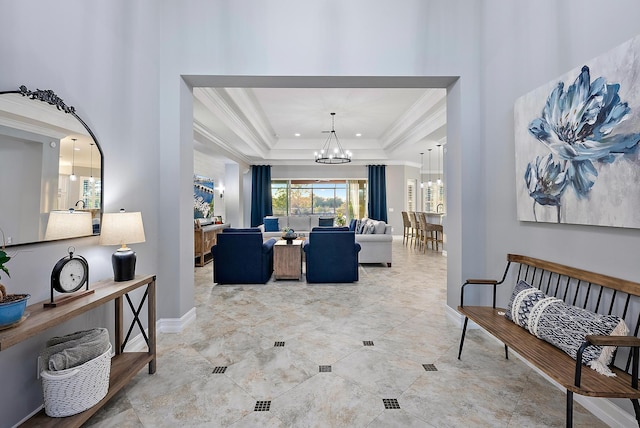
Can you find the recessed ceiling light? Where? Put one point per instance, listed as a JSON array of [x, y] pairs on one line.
[[358, 135], [296, 134]]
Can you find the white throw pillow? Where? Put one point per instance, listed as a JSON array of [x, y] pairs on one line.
[[380, 226]]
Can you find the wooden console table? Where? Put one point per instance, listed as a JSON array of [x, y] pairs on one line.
[[204, 237], [124, 365]]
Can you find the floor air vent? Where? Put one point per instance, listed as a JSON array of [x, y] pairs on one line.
[[390, 403], [262, 406]]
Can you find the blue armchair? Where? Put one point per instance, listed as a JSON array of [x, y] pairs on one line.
[[331, 256], [240, 257]]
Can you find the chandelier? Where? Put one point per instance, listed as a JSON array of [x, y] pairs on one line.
[[337, 154]]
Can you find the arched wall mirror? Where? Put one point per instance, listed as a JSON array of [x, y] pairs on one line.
[[49, 160]]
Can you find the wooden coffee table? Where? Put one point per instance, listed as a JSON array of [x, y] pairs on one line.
[[287, 259]]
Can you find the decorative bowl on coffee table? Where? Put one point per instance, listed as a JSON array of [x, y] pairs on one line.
[[289, 236]]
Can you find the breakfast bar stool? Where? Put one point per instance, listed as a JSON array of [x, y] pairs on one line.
[[415, 226], [426, 231], [407, 228]]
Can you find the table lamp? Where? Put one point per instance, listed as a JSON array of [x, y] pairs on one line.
[[122, 228], [68, 224]]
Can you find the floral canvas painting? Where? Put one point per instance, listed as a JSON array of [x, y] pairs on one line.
[[202, 197], [578, 144]]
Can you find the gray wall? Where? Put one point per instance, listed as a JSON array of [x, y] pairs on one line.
[[525, 45], [100, 57], [121, 63]]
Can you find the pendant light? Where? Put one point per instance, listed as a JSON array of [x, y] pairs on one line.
[[421, 168], [439, 180], [338, 155], [91, 179], [73, 176], [429, 183]]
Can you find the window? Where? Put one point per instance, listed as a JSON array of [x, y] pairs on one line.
[[90, 192], [434, 198], [300, 197], [279, 199], [411, 195], [337, 198]]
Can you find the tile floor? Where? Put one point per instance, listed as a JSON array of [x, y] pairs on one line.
[[377, 353]]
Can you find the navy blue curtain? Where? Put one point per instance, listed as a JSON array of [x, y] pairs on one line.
[[260, 193], [377, 193]]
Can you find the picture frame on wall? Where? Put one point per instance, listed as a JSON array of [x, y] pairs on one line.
[[203, 200], [577, 144]]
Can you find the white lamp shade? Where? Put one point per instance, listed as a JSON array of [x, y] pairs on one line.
[[68, 224], [121, 228]]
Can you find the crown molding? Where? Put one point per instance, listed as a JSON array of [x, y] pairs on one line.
[[246, 102], [220, 143], [431, 107], [219, 103]]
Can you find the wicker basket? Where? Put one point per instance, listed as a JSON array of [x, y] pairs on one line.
[[71, 391]]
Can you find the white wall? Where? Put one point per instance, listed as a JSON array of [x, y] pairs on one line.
[[121, 64]]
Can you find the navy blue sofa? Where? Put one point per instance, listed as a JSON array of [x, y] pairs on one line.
[[240, 257], [331, 255]]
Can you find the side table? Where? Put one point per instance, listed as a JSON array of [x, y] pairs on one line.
[[124, 365], [287, 259]]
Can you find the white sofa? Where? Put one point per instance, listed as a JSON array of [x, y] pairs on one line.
[[376, 247], [299, 223]]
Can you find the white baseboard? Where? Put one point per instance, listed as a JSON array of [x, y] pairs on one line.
[[164, 325], [137, 344], [602, 408], [29, 416], [176, 325], [456, 317]]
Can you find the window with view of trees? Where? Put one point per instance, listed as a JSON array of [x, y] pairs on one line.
[[343, 199]]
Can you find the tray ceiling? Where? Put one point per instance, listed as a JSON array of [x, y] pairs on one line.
[[257, 125]]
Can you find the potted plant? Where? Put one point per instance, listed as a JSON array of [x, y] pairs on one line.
[[12, 306]]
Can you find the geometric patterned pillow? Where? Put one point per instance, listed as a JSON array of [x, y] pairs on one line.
[[519, 307], [565, 326], [369, 228]]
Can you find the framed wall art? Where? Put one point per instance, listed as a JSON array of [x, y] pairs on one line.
[[202, 196], [577, 144]]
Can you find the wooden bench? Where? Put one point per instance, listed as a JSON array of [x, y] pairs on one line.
[[592, 291]]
